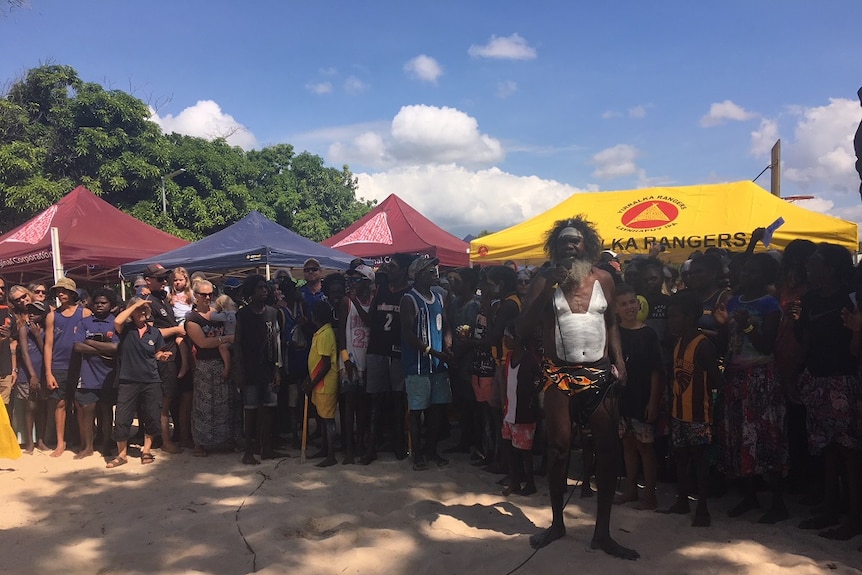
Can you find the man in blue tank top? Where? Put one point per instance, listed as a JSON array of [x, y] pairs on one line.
[[426, 347], [60, 327]]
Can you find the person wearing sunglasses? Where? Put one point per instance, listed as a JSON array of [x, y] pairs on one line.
[[312, 291], [38, 291], [211, 401], [156, 277]]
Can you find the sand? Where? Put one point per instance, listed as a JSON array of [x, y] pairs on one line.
[[214, 515]]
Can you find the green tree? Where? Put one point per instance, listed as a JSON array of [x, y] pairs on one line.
[[57, 131]]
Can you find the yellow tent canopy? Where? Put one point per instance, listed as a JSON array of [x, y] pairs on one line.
[[682, 219]]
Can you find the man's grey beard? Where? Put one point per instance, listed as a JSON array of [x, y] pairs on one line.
[[578, 272]]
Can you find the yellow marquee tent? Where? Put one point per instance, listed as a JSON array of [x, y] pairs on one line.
[[683, 219]]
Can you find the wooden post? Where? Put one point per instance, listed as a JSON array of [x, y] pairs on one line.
[[776, 169]]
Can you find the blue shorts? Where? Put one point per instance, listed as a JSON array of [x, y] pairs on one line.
[[383, 373], [426, 390], [88, 396], [259, 395]]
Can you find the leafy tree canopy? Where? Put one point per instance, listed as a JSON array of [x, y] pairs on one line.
[[57, 131]]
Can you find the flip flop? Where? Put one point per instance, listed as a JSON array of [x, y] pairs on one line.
[[147, 458], [116, 462]]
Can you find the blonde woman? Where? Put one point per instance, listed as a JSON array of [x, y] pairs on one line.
[[211, 402]]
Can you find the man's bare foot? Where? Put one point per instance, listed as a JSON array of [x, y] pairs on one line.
[[511, 488], [701, 519], [774, 515], [623, 498], [29, 449], [845, 531], [528, 489], [171, 448], [647, 504], [613, 548], [328, 462], [547, 536], [83, 454], [680, 507], [249, 459], [61, 448], [40, 445]]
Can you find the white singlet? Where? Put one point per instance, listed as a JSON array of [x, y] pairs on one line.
[[580, 337]]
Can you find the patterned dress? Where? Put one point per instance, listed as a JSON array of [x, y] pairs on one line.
[[752, 425]]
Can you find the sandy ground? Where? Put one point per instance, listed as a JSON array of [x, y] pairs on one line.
[[214, 515]]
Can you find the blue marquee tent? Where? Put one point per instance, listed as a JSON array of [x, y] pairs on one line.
[[253, 243]]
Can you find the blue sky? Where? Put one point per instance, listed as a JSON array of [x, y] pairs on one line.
[[483, 114]]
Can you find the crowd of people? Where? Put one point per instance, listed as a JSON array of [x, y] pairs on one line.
[[739, 368]]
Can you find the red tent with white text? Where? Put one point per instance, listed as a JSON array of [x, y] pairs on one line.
[[94, 239], [394, 226]]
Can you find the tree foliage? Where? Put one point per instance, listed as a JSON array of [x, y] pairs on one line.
[[57, 131]]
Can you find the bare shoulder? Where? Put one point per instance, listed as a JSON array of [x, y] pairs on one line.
[[606, 281]]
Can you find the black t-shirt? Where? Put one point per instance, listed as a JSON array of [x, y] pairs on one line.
[[643, 356], [209, 329], [257, 343], [828, 340], [8, 318], [163, 317], [385, 328]]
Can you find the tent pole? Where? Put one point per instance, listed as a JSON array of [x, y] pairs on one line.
[[268, 272], [55, 254]]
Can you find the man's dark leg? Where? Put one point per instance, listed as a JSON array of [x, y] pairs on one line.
[[559, 432], [250, 430], [378, 401], [604, 425], [437, 415], [348, 420], [399, 409], [416, 440], [266, 417]]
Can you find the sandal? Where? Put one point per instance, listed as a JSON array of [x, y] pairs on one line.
[[116, 462], [147, 458]]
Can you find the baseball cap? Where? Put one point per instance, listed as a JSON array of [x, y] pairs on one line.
[[363, 270], [311, 262], [419, 265], [156, 271]]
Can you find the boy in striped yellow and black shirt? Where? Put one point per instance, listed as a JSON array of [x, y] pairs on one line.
[[695, 375]]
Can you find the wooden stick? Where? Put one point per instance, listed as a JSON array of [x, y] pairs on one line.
[[304, 429]]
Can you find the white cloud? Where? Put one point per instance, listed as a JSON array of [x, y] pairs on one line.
[[512, 47], [616, 161], [424, 68], [354, 85], [721, 112], [763, 138], [816, 204], [206, 120], [420, 135], [821, 154], [638, 111], [319, 88], [463, 201], [506, 89], [610, 114]]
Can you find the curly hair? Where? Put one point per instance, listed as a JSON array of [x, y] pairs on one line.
[[592, 241]]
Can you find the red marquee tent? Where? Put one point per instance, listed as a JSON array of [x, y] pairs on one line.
[[394, 226], [94, 239]]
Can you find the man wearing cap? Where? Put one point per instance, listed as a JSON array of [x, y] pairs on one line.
[[8, 333], [163, 319], [61, 326], [573, 303], [426, 346], [312, 291], [352, 337], [385, 378]]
